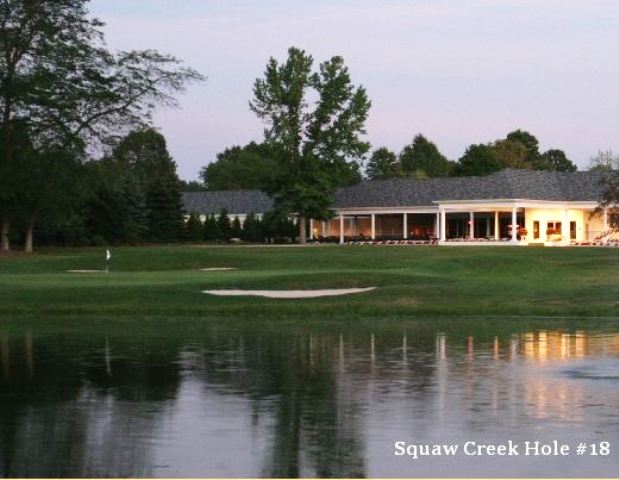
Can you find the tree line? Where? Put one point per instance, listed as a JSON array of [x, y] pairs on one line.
[[63, 96], [81, 164], [270, 228]]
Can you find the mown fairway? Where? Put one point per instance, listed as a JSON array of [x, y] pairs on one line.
[[412, 281]]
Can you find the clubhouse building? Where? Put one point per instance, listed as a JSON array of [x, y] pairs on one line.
[[509, 207]]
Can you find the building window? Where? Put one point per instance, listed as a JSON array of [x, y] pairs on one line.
[[536, 229], [553, 231], [572, 230]]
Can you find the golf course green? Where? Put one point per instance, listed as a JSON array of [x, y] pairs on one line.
[[410, 281]]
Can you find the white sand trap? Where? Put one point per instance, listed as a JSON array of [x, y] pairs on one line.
[[86, 271], [217, 269], [288, 293]]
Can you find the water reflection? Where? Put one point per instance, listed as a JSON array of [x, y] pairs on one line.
[[239, 402]]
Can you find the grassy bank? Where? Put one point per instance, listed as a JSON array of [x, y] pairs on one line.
[[412, 281]]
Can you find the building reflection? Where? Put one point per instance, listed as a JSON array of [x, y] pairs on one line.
[[108, 405]]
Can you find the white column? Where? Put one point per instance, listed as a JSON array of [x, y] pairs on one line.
[[324, 229], [471, 225], [311, 227], [565, 227], [341, 229], [514, 224], [496, 225], [373, 231], [442, 214], [405, 226], [437, 225]]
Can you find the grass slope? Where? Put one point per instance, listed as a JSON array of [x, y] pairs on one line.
[[412, 281]]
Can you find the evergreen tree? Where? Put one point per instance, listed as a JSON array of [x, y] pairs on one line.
[[251, 228], [236, 229], [224, 226], [211, 229], [194, 228]]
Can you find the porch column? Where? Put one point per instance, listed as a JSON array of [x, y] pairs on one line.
[[471, 225], [341, 229], [352, 226], [496, 225], [514, 224], [437, 225], [565, 228], [311, 227], [325, 233], [442, 214], [373, 231], [405, 225]]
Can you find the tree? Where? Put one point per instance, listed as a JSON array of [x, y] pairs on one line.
[[314, 122], [511, 154], [57, 76], [555, 160], [251, 228], [383, 164], [240, 168], [235, 229], [478, 160], [605, 161], [191, 186], [423, 155], [223, 225], [144, 154], [610, 197], [529, 142], [211, 230], [193, 228]]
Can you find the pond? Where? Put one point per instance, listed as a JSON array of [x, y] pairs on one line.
[[239, 399]]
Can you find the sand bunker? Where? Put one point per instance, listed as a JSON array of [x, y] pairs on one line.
[[86, 271], [217, 269], [288, 293]]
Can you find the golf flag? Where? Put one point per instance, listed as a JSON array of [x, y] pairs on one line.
[[108, 255]]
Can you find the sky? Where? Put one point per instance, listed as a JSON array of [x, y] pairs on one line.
[[457, 71]]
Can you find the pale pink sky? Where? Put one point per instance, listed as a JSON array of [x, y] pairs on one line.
[[458, 71]]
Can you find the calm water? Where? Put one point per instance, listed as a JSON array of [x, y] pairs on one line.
[[226, 400]]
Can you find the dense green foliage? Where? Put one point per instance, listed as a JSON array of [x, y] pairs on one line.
[[315, 143], [240, 168], [61, 91], [422, 159], [411, 281], [136, 195], [383, 164]]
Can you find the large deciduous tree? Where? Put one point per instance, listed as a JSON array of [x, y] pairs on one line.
[[240, 168], [383, 164], [314, 123], [556, 160], [59, 79], [478, 160], [423, 158]]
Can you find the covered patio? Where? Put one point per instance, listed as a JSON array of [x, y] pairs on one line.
[[363, 226]]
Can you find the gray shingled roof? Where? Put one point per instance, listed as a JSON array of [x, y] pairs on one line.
[[505, 184], [236, 202]]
